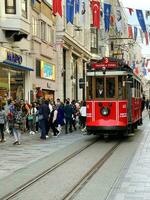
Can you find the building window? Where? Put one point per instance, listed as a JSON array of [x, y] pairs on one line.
[[10, 6], [94, 40], [50, 35], [35, 30], [43, 30], [38, 68], [24, 8]]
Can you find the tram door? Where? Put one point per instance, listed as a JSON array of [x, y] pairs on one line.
[[129, 98]]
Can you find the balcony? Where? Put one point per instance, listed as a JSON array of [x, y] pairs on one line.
[[15, 20]]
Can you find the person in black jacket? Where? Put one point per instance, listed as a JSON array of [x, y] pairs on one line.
[[68, 112], [44, 113]]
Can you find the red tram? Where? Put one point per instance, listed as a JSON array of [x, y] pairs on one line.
[[113, 98]]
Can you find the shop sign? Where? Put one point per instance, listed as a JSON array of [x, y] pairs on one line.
[[13, 57], [47, 71], [10, 56]]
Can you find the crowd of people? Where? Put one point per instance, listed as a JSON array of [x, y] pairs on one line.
[[41, 117]]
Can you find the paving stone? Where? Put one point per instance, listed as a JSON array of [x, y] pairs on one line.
[[134, 184]]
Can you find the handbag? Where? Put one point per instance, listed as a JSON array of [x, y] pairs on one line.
[[30, 117]]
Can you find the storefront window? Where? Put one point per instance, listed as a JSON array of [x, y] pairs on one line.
[[4, 86], [11, 84]]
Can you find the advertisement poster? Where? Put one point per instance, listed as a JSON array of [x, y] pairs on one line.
[[47, 71]]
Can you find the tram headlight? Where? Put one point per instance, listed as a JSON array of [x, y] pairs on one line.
[[105, 111]]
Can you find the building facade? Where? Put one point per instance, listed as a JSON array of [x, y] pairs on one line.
[[73, 52], [43, 48], [15, 62]]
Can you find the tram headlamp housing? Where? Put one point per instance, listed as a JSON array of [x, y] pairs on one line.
[[105, 111]]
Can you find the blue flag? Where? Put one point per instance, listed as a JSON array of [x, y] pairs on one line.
[[141, 20], [33, 1], [77, 6], [135, 33], [107, 11], [133, 65], [69, 11], [144, 71]]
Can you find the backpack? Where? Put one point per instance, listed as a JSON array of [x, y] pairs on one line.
[[18, 117], [10, 116]]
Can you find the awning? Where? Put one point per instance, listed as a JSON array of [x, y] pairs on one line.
[[17, 66]]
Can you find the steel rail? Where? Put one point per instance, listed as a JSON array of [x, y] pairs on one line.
[[83, 181]]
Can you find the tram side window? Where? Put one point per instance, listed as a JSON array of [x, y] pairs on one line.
[[110, 87], [89, 88], [120, 88], [100, 88]]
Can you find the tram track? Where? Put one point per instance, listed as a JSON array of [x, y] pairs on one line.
[[89, 174], [46, 172], [79, 185]]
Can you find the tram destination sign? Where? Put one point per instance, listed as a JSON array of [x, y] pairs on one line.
[[105, 63]]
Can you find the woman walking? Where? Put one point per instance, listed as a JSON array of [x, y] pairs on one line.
[[17, 124], [53, 121], [2, 123]]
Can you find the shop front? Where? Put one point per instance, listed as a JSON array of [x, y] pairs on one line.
[[12, 75]]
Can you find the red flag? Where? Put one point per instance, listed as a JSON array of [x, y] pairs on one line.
[[57, 7], [95, 5], [136, 70], [112, 20], [130, 11], [146, 37], [130, 32]]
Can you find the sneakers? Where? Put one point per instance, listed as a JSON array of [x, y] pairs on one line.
[[58, 133], [84, 129], [32, 133], [16, 142], [55, 135], [4, 140], [47, 136]]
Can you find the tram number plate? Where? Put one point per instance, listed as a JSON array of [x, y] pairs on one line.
[[123, 115]]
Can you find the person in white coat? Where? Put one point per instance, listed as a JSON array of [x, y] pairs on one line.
[[83, 116]]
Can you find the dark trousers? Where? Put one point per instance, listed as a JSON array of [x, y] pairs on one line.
[[47, 126], [43, 128], [68, 122], [37, 126], [2, 131], [83, 121], [54, 128]]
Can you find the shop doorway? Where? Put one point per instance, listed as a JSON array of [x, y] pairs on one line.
[[48, 94]]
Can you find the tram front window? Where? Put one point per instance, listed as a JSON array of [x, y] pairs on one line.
[[100, 88], [110, 87]]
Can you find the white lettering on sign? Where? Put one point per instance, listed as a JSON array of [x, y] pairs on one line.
[[124, 106], [123, 115]]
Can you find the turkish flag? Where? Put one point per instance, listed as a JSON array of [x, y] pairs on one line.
[[95, 5], [130, 32], [57, 7], [130, 11]]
